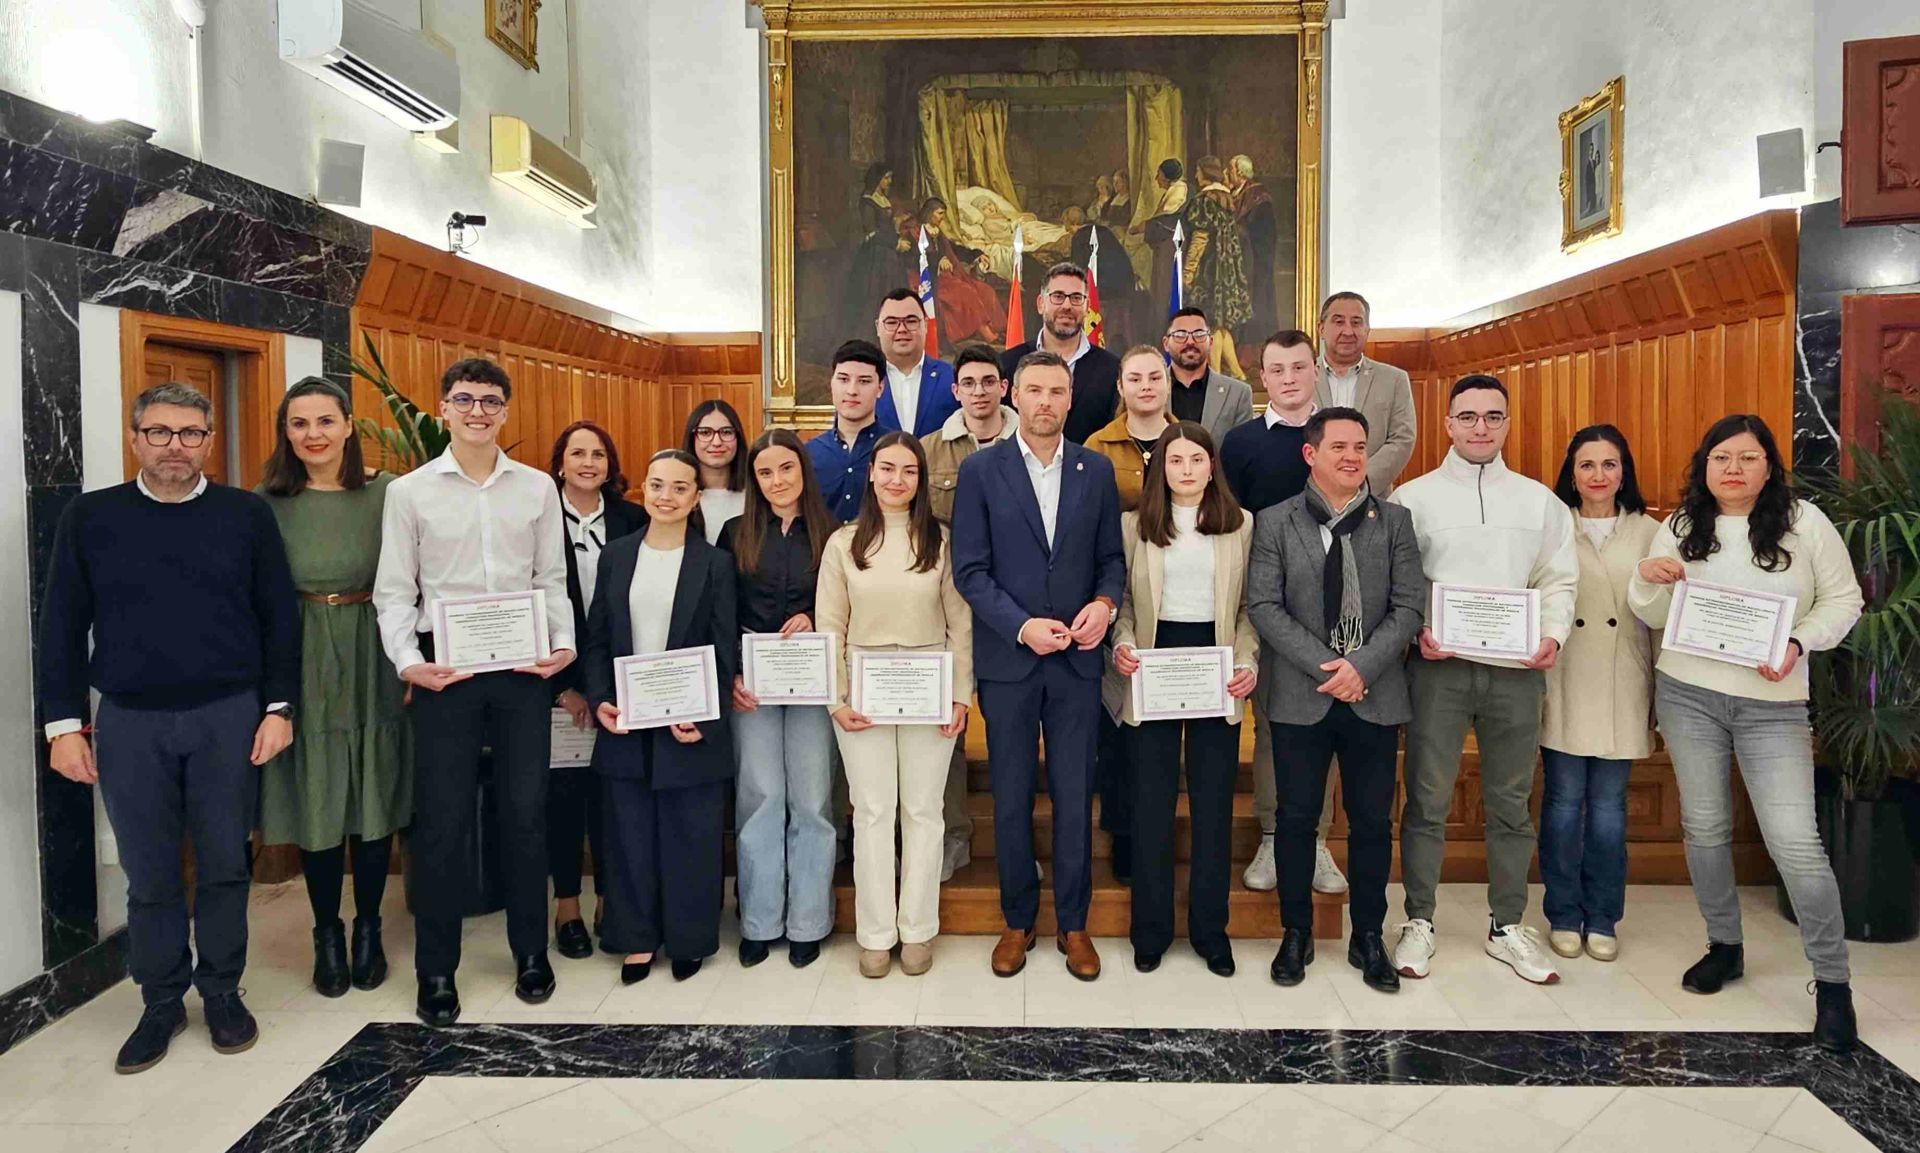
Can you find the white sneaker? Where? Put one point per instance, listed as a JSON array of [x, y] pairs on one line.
[[1565, 942], [1327, 877], [1518, 946], [1413, 954], [957, 855], [1261, 875]]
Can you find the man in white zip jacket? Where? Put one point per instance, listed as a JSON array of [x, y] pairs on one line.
[[1479, 523]]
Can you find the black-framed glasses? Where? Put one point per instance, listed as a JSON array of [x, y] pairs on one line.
[[1188, 335], [1066, 298], [1490, 419], [890, 323], [465, 402], [714, 434], [160, 436]]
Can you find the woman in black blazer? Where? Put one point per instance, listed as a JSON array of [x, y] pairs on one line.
[[586, 468], [666, 787]]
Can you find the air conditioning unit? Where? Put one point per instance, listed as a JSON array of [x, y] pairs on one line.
[[393, 70], [525, 160]]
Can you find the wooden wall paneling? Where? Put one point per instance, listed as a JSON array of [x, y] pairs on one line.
[[1879, 350], [1880, 134]]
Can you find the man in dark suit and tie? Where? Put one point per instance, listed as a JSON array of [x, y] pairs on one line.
[[917, 395], [1044, 589]]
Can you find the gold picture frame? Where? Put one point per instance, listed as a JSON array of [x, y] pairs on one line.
[[514, 25], [1591, 203], [791, 21]]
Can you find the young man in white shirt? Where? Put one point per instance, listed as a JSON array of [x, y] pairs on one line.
[[474, 521]]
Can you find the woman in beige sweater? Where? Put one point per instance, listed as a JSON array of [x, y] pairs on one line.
[[886, 585]]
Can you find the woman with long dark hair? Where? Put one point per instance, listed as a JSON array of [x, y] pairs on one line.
[[886, 585], [783, 816], [880, 255], [1597, 718], [1740, 525], [347, 779], [593, 500], [715, 437]]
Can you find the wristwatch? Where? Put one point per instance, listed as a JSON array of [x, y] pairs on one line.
[[284, 712]]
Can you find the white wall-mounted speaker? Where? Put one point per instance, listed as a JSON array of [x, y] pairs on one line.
[[342, 165], [1783, 161]]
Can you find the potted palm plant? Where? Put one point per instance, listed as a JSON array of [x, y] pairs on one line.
[[1866, 693], [415, 437]]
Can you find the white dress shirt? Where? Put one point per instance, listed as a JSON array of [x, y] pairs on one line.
[[587, 535], [1186, 588], [443, 535], [905, 387], [720, 505], [1273, 417], [1344, 387], [656, 577], [1046, 481]]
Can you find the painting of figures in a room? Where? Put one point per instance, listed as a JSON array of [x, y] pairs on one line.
[[1041, 150]]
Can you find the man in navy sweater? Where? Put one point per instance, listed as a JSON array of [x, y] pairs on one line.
[[196, 653]]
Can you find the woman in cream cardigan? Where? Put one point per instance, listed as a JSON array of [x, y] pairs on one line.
[[1187, 547], [1598, 718]]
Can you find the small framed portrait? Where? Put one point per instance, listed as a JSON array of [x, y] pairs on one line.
[[1590, 204], [514, 26]]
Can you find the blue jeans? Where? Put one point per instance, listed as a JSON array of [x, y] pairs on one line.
[[785, 844], [1583, 842]]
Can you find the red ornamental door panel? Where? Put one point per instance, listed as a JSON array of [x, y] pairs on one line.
[[1879, 352], [1880, 181]]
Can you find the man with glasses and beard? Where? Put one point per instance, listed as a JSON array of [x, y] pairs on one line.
[[1201, 395], [1095, 371], [196, 653]]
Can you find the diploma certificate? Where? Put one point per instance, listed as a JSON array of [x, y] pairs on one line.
[[903, 688], [674, 687], [1487, 622], [491, 631], [1720, 623], [572, 747], [1177, 684], [791, 670]]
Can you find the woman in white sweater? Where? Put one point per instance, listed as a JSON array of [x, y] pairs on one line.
[[1739, 525]]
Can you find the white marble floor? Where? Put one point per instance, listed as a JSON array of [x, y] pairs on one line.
[[58, 1091]]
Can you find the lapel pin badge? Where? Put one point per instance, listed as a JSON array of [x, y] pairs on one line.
[[1080, 466]]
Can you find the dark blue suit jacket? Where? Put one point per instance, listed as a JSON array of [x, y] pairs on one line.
[[1006, 572], [937, 401]]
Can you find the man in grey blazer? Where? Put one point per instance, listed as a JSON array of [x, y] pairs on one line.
[[1336, 591], [1382, 393], [1208, 398]]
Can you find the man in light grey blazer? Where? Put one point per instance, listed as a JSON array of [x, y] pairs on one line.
[[1336, 591], [1382, 393], [1208, 398]]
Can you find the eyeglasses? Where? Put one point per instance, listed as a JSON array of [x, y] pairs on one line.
[[160, 436], [982, 384], [1472, 419], [1188, 335], [1073, 298], [465, 402], [896, 323], [1726, 460], [713, 434]]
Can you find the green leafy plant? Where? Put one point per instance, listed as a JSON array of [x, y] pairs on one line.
[[1866, 693], [416, 438]]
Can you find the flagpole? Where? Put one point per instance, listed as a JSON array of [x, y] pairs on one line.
[[927, 296], [1177, 293]]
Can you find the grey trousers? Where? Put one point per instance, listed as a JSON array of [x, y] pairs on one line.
[[1773, 740], [1502, 707]]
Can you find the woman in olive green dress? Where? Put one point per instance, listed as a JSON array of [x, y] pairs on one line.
[[348, 776]]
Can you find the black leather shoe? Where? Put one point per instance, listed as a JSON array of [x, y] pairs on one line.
[[684, 969], [1722, 963], [634, 972], [1296, 953], [147, 1044], [439, 1001], [572, 940], [330, 974], [1834, 1027], [753, 952], [1123, 859], [369, 956], [535, 983], [1220, 962], [233, 1028], [800, 954], [1368, 953], [1145, 962]]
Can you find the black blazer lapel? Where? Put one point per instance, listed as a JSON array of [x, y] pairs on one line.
[[1013, 468], [688, 590]]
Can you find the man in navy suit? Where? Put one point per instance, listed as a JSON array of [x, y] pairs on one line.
[[1037, 554], [918, 396]]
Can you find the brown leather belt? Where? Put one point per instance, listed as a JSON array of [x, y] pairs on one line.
[[337, 598]]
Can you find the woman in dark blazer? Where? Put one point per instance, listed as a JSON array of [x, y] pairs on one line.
[[666, 787], [586, 468]]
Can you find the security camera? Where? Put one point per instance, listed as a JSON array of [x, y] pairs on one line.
[[459, 239], [466, 219]]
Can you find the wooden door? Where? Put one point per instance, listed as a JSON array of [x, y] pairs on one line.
[[204, 369], [1880, 158], [1879, 352]]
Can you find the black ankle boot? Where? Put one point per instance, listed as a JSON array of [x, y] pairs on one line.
[[1722, 963], [1834, 1027], [369, 956], [330, 974]]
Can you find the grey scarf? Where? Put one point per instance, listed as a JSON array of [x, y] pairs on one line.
[[1340, 579]]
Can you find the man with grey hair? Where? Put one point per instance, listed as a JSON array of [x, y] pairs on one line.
[[196, 652]]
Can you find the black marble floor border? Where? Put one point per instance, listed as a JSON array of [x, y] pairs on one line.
[[60, 990], [354, 1092]]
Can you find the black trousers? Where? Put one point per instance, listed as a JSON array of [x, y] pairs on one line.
[[1367, 753], [664, 867], [166, 776], [1066, 706], [573, 816], [450, 728], [1212, 764], [1113, 770]]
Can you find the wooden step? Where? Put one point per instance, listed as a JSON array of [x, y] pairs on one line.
[[1246, 828]]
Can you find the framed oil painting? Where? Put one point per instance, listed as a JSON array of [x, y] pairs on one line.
[[970, 124], [1590, 206], [514, 25]]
